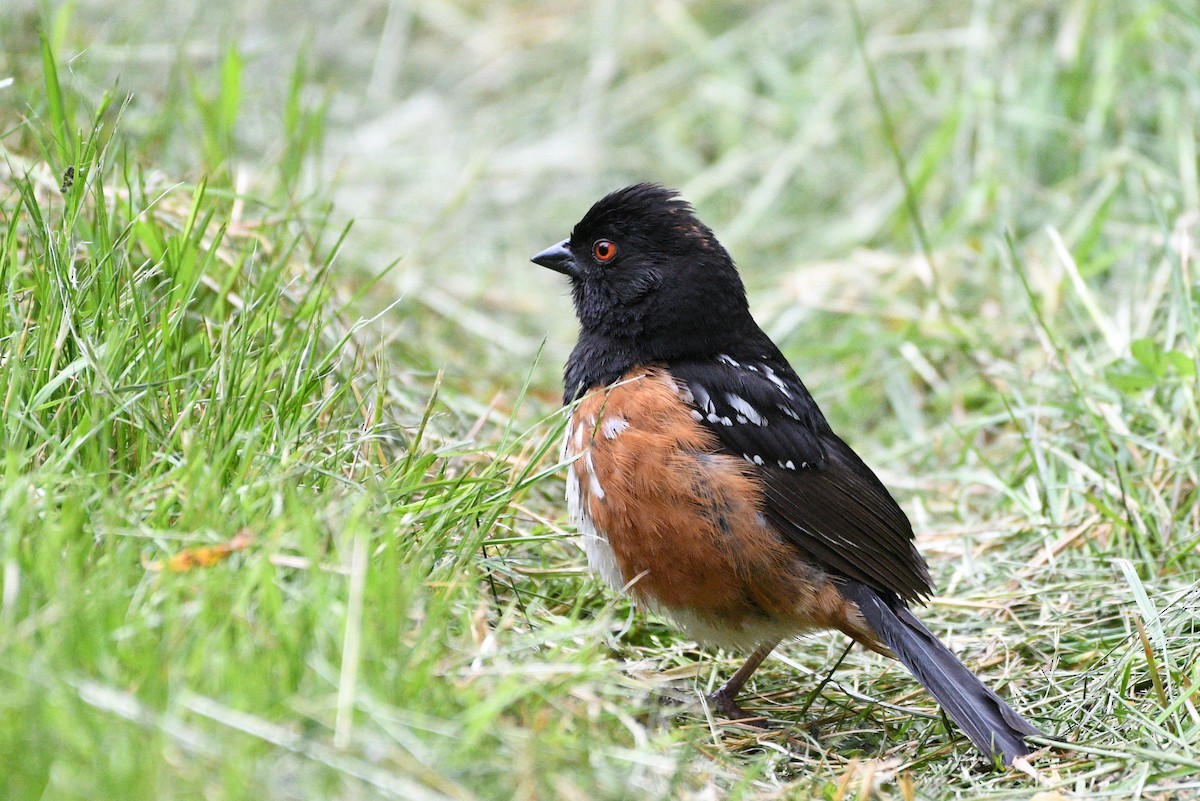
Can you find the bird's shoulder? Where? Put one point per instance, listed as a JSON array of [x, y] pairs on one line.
[[758, 407]]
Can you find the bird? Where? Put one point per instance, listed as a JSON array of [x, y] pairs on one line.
[[705, 481]]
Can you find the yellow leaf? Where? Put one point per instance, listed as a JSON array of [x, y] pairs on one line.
[[205, 555]]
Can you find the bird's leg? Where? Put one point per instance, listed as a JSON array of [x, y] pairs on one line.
[[723, 699]]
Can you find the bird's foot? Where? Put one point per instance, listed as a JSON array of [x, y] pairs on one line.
[[723, 703]]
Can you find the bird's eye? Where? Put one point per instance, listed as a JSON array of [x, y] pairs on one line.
[[603, 250]]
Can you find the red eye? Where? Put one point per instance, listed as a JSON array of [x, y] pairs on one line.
[[603, 250]]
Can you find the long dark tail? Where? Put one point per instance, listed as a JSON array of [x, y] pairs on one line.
[[989, 723]]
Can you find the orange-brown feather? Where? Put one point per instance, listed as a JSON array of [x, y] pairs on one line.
[[685, 524]]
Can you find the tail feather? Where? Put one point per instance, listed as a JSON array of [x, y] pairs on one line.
[[989, 723]]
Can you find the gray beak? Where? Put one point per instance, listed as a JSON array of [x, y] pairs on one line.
[[557, 258]]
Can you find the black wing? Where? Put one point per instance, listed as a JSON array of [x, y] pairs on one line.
[[818, 492]]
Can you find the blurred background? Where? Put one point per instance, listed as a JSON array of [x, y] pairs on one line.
[[462, 137]]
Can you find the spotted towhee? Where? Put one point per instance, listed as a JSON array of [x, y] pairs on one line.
[[704, 479]]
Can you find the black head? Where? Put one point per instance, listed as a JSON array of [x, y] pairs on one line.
[[651, 284]]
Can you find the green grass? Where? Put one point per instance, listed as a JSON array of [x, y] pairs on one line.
[[973, 228]]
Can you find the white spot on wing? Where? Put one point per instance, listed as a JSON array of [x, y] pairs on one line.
[[704, 401], [777, 381], [727, 360], [746, 412]]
